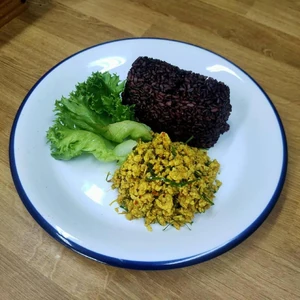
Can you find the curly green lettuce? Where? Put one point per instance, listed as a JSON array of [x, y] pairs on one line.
[[67, 144], [101, 93], [94, 120]]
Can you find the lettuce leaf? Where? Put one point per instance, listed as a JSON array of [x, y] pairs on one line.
[[73, 114], [101, 93], [94, 120], [95, 101], [69, 143]]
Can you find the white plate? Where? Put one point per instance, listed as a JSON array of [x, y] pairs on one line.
[[70, 200]]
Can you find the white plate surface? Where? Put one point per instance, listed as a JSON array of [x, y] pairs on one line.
[[70, 200]]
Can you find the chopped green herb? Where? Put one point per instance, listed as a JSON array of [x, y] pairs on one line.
[[207, 200], [166, 227], [173, 150], [187, 226], [207, 163], [108, 174], [198, 174], [171, 182], [150, 169], [125, 208], [189, 139]]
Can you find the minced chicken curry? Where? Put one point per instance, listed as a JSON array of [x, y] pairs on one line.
[[166, 182]]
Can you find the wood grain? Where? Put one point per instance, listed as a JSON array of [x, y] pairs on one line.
[[10, 9], [261, 36]]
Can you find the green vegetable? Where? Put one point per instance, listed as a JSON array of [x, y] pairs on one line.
[[207, 199], [73, 113], [173, 150], [94, 104], [166, 226], [123, 207], [124, 148], [164, 179], [198, 174], [67, 144], [117, 132], [188, 227], [171, 182], [94, 120], [107, 176], [189, 139], [101, 93]]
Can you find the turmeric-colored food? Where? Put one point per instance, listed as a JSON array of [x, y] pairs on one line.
[[166, 182]]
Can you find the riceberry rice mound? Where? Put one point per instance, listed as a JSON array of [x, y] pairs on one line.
[[179, 102]]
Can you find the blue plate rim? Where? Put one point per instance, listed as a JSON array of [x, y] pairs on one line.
[[146, 265]]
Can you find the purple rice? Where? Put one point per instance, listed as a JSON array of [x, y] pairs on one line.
[[178, 102]]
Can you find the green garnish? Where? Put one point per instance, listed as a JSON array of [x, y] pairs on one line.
[[187, 226], [198, 174], [189, 139], [171, 182], [150, 169], [166, 227], [125, 208], [173, 150], [108, 174], [207, 200], [166, 180]]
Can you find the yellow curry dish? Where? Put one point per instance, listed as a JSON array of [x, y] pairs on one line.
[[166, 182]]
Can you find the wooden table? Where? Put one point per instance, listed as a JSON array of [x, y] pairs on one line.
[[262, 36]]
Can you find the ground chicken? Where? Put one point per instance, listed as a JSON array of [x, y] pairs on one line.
[[166, 183]]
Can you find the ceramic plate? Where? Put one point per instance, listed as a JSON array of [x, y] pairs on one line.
[[70, 200]]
